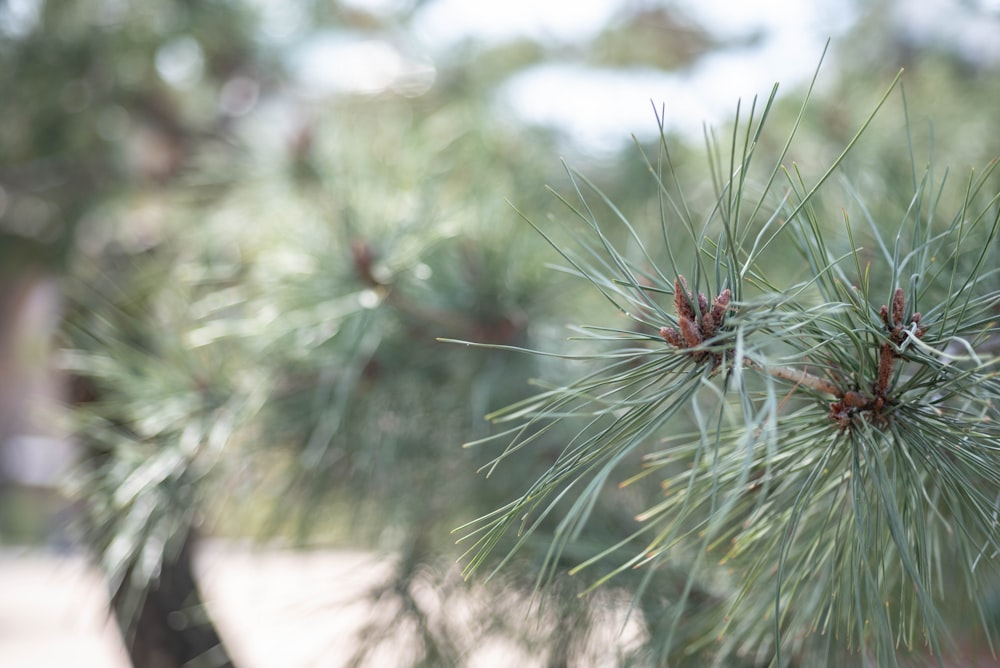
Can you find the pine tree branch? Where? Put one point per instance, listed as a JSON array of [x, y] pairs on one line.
[[800, 377]]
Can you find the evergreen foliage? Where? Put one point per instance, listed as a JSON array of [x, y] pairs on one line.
[[772, 441], [827, 455]]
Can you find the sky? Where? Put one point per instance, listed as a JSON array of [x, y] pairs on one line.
[[599, 109]]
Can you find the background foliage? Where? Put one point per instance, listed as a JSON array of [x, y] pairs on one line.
[[256, 274]]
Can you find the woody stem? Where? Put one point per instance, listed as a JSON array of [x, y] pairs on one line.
[[800, 377]]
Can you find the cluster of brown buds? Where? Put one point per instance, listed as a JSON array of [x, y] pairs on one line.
[[854, 402], [696, 327], [894, 321]]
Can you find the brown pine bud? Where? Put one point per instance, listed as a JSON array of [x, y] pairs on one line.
[[682, 298], [855, 399], [884, 313], [898, 305], [886, 356], [670, 335], [714, 318], [708, 325], [720, 304], [691, 332]]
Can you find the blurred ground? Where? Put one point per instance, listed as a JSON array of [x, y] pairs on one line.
[[299, 607], [53, 612], [273, 608]]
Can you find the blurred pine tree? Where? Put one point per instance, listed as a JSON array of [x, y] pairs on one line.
[[254, 304]]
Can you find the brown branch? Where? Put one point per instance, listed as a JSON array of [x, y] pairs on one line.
[[503, 329], [800, 377], [713, 315]]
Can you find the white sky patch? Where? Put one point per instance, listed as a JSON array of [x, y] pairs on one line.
[[180, 62], [601, 109], [19, 17], [383, 7], [972, 31], [339, 62], [776, 41], [444, 23]]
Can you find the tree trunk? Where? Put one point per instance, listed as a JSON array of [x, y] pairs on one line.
[[174, 629]]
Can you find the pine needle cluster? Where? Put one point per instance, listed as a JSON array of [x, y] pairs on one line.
[[820, 417]]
